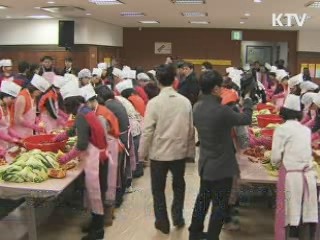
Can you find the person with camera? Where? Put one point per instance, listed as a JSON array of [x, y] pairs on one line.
[[217, 164]]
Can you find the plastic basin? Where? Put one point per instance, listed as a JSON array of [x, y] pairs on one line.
[[262, 106], [265, 120], [44, 143]]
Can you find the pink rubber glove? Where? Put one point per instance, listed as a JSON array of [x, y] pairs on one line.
[[280, 95], [6, 137], [61, 121], [69, 156], [13, 133], [61, 137], [33, 126], [38, 120], [315, 136], [3, 152], [310, 123], [63, 115], [305, 119]]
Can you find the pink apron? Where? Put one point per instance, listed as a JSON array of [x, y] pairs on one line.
[[49, 122], [91, 169], [4, 128], [49, 76], [29, 116], [280, 222], [113, 147]]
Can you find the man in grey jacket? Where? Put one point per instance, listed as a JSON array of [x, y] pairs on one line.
[[217, 163]]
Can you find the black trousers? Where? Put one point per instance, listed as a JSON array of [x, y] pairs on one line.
[[103, 178], [159, 171], [217, 192]]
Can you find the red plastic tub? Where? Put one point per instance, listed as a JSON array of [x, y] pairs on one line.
[[70, 123], [267, 132], [262, 106], [265, 120], [44, 143]]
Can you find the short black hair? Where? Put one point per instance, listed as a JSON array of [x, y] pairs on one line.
[[209, 80], [288, 114], [3, 95], [46, 58], [127, 93], [180, 64], [166, 74], [207, 65], [31, 88], [23, 66], [104, 93], [152, 90], [188, 64], [272, 74], [72, 104], [68, 59]]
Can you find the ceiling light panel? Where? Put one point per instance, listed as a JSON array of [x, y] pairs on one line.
[[149, 22], [132, 14], [194, 14], [3, 7], [199, 22], [39, 17], [106, 2], [188, 1], [313, 4], [257, 1]]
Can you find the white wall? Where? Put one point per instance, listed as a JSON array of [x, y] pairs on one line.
[[308, 41], [45, 32]]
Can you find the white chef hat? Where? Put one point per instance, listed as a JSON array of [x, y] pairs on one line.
[[88, 92], [10, 88], [295, 80], [281, 74], [124, 85], [292, 102], [153, 72], [40, 83], [126, 68], [1, 63], [273, 69], [143, 77], [307, 86], [246, 67], [97, 72], [84, 73], [316, 99], [102, 66], [236, 78], [229, 69], [70, 89], [59, 81], [267, 66], [71, 78], [307, 99], [117, 73], [6, 63]]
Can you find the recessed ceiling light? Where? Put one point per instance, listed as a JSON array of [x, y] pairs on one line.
[[39, 16], [132, 14], [8, 17], [194, 14], [188, 1], [51, 2], [257, 1], [199, 22], [149, 22], [37, 8], [247, 14], [313, 4], [241, 22], [88, 14], [106, 2], [3, 7]]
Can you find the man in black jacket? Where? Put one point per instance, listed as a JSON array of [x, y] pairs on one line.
[[190, 86], [217, 163]]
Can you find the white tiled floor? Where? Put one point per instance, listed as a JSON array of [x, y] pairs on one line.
[[134, 220]]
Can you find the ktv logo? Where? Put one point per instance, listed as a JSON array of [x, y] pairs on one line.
[[288, 19]]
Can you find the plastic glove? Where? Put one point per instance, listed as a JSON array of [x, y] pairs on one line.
[[61, 137], [33, 126], [3, 152], [315, 136], [69, 156], [61, 121], [5, 136], [63, 115], [13, 133]]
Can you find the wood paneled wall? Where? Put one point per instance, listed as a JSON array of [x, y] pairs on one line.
[[193, 43]]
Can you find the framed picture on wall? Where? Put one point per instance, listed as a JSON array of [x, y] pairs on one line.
[[263, 54]]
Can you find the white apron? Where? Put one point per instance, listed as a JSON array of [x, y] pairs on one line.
[[30, 116], [49, 76], [91, 169], [113, 147]]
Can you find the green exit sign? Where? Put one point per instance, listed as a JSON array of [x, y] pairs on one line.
[[236, 35]]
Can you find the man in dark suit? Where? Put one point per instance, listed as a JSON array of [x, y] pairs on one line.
[[217, 163], [189, 87]]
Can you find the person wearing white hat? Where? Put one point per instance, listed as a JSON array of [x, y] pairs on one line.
[[294, 84], [104, 76], [50, 112], [24, 109], [309, 115], [6, 70], [297, 200], [143, 79], [308, 86], [91, 147], [118, 75], [96, 77], [84, 77], [8, 93], [281, 91]]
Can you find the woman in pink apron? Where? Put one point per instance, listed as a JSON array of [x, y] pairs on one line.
[[297, 204], [23, 112], [50, 112], [91, 148], [279, 98], [9, 91]]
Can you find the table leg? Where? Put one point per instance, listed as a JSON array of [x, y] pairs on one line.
[[31, 217]]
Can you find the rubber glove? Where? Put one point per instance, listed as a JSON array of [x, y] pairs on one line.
[[3, 152], [63, 115], [69, 156], [13, 133], [33, 126], [61, 121], [61, 137], [6, 137], [315, 136]]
